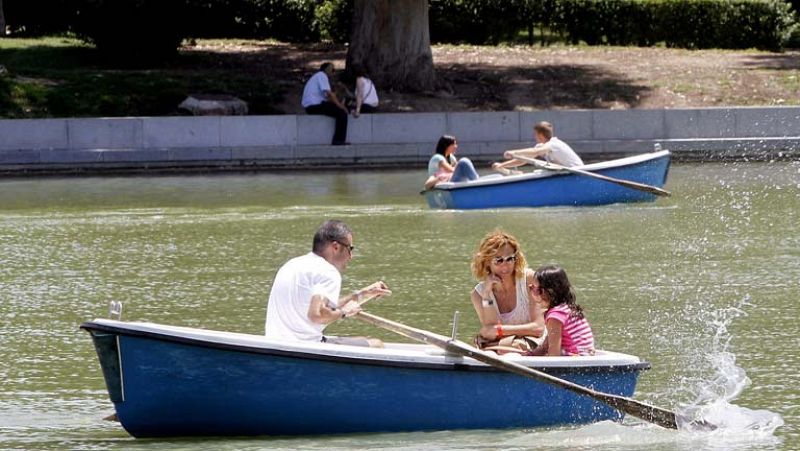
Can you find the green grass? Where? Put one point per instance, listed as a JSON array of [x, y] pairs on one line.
[[62, 77]]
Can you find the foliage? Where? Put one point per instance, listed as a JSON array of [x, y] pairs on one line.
[[476, 21], [38, 17], [154, 28], [285, 20], [334, 19], [765, 24], [133, 30]]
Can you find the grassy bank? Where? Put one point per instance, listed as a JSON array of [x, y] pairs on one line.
[[62, 77]]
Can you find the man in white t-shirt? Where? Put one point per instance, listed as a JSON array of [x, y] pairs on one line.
[[319, 98], [548, 146], [305, 295]]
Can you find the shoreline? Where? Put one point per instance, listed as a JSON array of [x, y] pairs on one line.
[[163, 145]]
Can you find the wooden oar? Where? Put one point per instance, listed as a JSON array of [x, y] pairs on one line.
[[626, 183], [646, 412]]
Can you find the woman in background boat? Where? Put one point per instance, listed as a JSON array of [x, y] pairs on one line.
[[445, 167], [568, 330], [510, 319]]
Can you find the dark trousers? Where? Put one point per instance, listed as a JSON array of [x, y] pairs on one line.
[[329, 109], [368, 108]]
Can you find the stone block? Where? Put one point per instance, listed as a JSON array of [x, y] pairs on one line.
[[105, 133], [700, 123], [496, 149], [19, 156], [386, 151], [258, 131], [359, 130], [263, 153], [754, 122], [70, 156], [343, 154], [567, 125], [628, 124], [179, 132], [33, 134], [481, 127], [408, 128], [315, 130], [135, 155], [199, 154]]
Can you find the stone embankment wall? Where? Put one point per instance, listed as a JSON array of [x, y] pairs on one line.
[[143, 144]]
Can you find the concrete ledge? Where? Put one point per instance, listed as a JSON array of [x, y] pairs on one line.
[[386, 140]]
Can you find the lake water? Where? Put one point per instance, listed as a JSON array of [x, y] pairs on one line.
[[703, 285]]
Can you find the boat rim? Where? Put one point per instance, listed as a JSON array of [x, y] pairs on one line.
[[406, 355]]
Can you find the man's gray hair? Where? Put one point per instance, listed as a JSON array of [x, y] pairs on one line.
[[330, 231]]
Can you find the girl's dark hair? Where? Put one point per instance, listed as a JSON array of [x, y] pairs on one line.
[[553, 280], [444, 142]]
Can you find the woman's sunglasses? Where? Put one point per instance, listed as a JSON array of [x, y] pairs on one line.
[[501, 260]]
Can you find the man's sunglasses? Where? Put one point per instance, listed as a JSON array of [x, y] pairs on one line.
[[349, 247]]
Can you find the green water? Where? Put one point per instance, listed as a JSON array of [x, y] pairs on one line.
[[704, 285]]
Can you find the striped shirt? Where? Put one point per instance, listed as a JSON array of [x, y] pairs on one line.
[[576, 334]]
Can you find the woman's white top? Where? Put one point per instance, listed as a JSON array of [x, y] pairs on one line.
[[521, 314], [366, 89]]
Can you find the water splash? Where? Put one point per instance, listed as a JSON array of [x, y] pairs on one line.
[[714, 396]]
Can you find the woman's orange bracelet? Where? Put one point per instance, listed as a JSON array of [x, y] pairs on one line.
[[499, 328]]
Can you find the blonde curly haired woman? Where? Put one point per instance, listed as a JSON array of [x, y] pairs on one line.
[[501, 298]]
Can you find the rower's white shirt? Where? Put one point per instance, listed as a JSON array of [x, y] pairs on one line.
[[561, 153], [296, 282]]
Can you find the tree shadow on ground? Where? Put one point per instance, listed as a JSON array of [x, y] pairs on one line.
[[541, 87], [780, 61], [460, 86]]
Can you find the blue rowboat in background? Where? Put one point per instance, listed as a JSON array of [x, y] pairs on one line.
[[167, 381], [546, 188]]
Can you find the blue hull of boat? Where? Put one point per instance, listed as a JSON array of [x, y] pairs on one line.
[[167, 386], [562, 189]]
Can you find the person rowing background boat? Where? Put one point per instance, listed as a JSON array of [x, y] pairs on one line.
[[548, 146]]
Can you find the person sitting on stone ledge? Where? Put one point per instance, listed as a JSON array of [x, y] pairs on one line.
[[319, 98]]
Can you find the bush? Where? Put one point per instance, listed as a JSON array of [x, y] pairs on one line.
[[38, 17], [476, 21], [133, 30], [765, 24], [334, 19]]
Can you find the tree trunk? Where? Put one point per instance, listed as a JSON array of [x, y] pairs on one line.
[[391, 42], [2, 21]]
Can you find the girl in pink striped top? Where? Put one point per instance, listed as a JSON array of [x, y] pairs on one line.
[[568, 331]]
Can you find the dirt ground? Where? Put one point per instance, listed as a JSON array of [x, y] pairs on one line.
[[523, 78]]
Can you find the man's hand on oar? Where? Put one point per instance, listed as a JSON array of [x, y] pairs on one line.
[[505, 171], [362, 296]]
